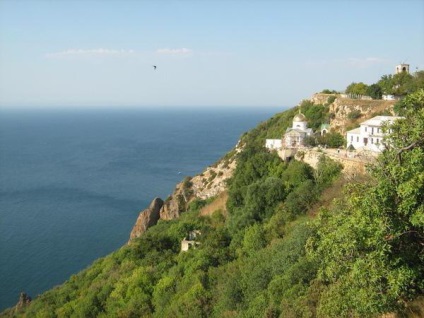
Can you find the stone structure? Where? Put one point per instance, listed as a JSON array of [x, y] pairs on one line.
[[390, 97], [274, 144], [370, 134], [189, 241], [294, 136], [353, 163], [402, 68], [325, 128]]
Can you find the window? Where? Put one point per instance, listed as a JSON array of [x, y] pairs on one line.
[[357, 139], [365, 128]]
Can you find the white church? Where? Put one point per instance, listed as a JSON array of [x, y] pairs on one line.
[[369, 135], [294, 136]]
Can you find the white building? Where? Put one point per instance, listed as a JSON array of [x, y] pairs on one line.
[[274, 144], [369, 135], [190, 241], [402, 68], [389, 97], [293, 137]]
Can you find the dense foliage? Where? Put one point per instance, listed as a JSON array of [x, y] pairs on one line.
[[370, 244], [360, 257], [400, 84]]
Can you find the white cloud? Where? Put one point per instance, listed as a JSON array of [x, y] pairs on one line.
[[182, 51], [90, 53]]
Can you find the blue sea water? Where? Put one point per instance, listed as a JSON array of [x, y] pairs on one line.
[[72, 182]]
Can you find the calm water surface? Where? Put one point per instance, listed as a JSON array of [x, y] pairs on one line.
[[72, 182]]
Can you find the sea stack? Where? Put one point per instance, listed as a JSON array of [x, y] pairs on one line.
[[147, 218]]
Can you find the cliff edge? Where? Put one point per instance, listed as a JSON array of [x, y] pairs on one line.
[[147, 218]]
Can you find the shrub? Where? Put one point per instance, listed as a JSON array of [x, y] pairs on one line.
[[354, 114], [331, 99]]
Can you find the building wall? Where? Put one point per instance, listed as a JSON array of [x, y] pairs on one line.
[[351, 165], [402, 68], [294, 140], [303, 125], [355, 140], [369, 136], [273, 144]]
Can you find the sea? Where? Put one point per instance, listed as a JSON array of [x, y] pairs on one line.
[[73, 181]]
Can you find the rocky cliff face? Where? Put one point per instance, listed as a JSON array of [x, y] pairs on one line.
[[147, 218], [341, 107], [211, 182], [24, 300]]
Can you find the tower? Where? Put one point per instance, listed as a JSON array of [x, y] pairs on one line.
[[402, 68], [300, 122]]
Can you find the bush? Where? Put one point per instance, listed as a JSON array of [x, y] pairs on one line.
[[354, 114], [332, 140], [327, 91], [331, 99]]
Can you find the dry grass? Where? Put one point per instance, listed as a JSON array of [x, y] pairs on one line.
[[335, 191], [415, 309], [328, 195], [218, 204]]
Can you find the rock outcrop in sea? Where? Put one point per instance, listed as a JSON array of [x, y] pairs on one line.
[[210, 183], [147, 218], [24, 300]]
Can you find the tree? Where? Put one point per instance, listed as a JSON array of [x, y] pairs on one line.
[[402, 83], [328, 91], [369, 247], [374, 91], [357, 88], [332, 140], [418, 81], [386, 84]]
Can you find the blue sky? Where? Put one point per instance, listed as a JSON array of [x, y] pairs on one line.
[[208, 53]]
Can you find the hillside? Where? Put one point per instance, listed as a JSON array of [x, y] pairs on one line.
[[273, 238], [346, 113]]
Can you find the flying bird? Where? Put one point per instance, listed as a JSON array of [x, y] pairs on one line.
[[154, 67]]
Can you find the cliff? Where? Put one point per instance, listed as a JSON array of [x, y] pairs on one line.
[[347, 113], [147, 218], [210, 183]]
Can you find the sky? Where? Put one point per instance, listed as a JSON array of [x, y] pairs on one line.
[[100, 53]]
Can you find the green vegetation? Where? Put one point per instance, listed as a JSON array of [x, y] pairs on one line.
[[361, 256], [331, 99], [357, 89], [354, 114], [316, 114], [400, 84], [369, 245], [328, 91], [374, 91], [331, 140]]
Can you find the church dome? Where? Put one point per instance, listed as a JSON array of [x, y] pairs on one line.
[[299, 117]]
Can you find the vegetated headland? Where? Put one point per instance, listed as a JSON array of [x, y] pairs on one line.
[[261, 234]]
